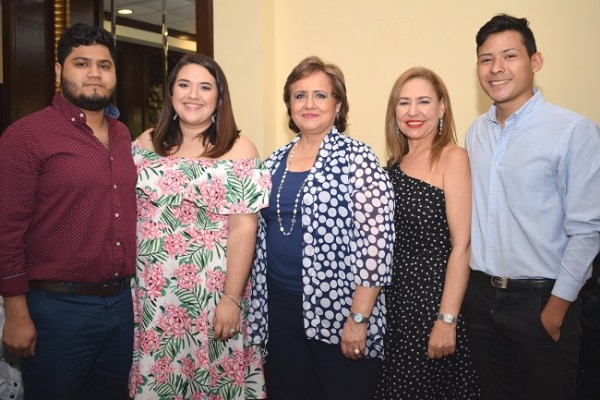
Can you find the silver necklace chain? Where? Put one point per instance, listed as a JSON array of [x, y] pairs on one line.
[[297, 199]]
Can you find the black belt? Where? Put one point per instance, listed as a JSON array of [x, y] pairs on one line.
[[508, 283], [82, 289]]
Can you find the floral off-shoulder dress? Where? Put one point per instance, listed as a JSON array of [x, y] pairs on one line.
[[183, 206]]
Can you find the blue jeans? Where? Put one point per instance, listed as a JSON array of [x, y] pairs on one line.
[[84, 346]]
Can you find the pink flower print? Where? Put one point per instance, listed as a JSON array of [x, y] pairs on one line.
[[175, 244], [207, 163], [201, 354], [187, 276], [137, 304], [135, 379], [214, 375], [150, 230], [186, 213], [214, 217], [201, 323], [251, 357], [172, 181], [213, 192], [188, 368], [149, 341], [154, 279], [234, 367], [215, 397], [145, 209], [143, 164], [247, 290], [174, 321], [240, 208], [264, 182], [243, 168], [215, 280], [208, 239], [169, 161], [162, 369]]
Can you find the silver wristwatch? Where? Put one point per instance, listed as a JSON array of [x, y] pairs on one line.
[[358, 318], [448, 318]]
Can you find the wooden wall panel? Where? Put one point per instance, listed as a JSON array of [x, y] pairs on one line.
[[28, 57], [28, 52]]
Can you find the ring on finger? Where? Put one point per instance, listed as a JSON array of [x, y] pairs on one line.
[[357, 352]]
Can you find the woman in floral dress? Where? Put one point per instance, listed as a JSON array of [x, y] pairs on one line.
[[200, 186]]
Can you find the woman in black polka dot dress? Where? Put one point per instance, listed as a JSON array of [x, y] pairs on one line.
[[427, 354]]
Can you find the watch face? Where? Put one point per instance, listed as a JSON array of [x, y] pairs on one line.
[[358, 318], [448, 318]]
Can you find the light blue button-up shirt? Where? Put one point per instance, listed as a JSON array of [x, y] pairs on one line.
[[536, 195]]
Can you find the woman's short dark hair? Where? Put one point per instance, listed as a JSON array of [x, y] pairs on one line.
[[83, 35], [504, 22], [312, 65], [220, 136]]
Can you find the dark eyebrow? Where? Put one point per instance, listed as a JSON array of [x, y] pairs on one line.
[[500, 52], [188, 81], [87, 59]]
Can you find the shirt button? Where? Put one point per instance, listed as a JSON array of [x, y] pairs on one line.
[[72, 119], [117, 215], [114, 186], [81, 115], [116, 274], [492, 221], [118, 243]]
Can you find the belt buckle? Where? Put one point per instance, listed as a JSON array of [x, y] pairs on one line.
[[499, 282]]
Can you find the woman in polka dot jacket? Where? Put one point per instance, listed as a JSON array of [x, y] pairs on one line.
[[324, 250]]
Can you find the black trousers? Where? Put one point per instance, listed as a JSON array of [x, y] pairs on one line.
[[588, 387], [513, 354], [300, 369]]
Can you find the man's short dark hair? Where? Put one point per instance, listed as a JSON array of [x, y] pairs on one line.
[[504, 22], [83, 35]]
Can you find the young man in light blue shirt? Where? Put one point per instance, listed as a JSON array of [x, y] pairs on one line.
[[535, 227]]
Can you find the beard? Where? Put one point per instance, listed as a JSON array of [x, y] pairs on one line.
[[94, 102]]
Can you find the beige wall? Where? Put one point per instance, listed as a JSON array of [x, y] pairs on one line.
[[258, 42]]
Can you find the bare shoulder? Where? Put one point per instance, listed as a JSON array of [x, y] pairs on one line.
[[242, 148], [145, 139], [454, 156]]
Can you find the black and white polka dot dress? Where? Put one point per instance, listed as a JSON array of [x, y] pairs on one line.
[[420, 256]]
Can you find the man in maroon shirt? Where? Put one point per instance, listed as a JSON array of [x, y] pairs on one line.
[[67, 231]]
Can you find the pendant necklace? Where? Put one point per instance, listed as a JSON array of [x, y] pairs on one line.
[[297, 199]]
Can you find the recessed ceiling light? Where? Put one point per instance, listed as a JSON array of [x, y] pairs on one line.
[[125, 11]]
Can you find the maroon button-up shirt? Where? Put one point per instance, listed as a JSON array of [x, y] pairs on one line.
[[67, 203]]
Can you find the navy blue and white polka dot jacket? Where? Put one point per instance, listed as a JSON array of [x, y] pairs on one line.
[[348, 234]]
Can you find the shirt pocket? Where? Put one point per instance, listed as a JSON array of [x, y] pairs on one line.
[[526, 189]]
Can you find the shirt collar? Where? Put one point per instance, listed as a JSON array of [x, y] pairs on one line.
[[68, 110], [519, 117]]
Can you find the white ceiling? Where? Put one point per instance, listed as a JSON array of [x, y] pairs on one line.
[[181, 14]]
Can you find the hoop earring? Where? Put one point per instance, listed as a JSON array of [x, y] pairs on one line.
[[440, 126]]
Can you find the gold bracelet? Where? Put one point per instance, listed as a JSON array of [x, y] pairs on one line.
[[239, 304]]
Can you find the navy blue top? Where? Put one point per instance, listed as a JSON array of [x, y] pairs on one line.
[[284, 260]]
